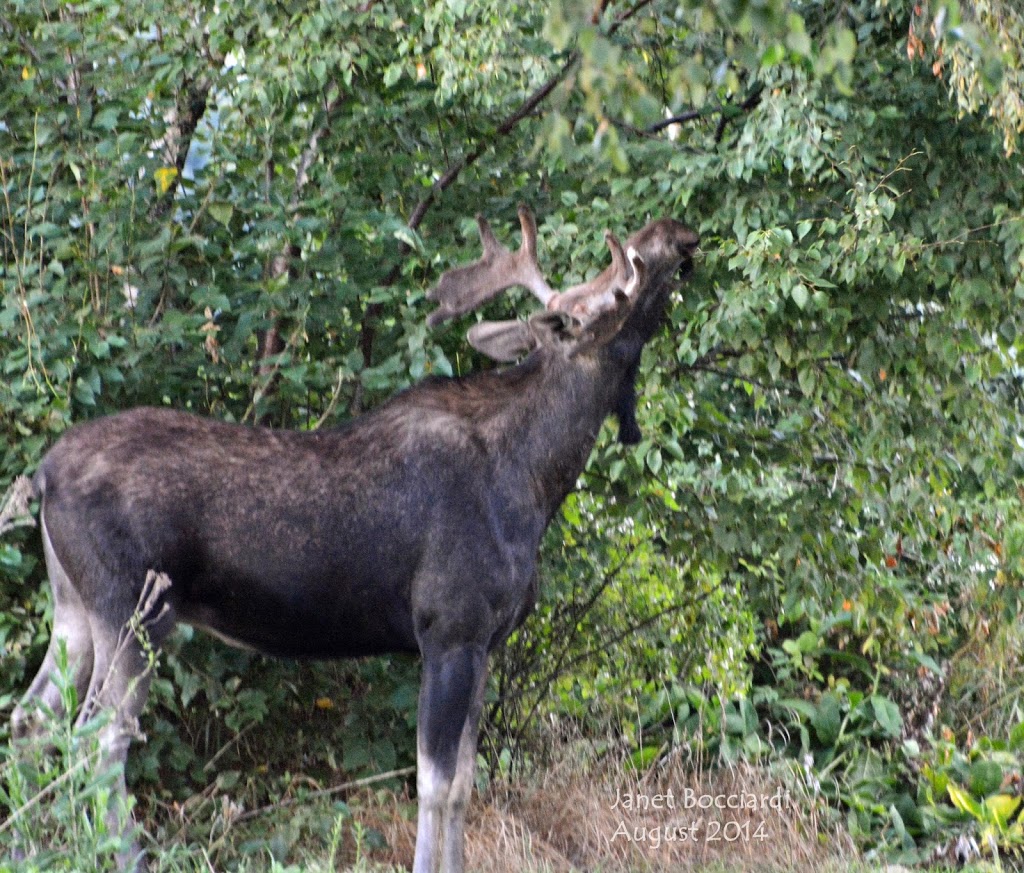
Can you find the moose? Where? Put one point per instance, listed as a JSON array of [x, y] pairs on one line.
[[412, 528]]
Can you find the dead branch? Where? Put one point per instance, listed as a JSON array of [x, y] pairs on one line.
[[15, 511]]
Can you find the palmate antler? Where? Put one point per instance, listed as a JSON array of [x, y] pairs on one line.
[[463, 289]]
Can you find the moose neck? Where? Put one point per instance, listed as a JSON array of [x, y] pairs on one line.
[[548, 429], [551, 427]]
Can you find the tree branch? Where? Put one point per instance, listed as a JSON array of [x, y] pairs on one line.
[[507, 125], [730, 112], [268, 342], [367, 332], [682, 118], [189, 111]]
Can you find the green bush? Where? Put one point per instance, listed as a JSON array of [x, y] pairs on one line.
[[238, 211]]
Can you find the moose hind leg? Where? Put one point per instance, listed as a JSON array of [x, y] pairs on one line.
[[71, 627], [448, 696], [120, 682]]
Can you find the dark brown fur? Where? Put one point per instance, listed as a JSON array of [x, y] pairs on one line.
[[413, 528]]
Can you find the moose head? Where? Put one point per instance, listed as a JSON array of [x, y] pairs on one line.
[[619, 309]]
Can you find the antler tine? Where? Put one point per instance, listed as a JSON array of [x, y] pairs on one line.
[[598, 295], [488, 240], [528, 226], [639, 278], [618, 258], [463, 289]]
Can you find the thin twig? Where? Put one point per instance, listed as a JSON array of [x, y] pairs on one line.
[[329, 411], [325, 792], [208, 766], [49, 789], [565, 664], [628, 14], [268, 375]]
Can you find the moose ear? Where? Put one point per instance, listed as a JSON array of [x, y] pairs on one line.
[[502, 341], [506, 341]]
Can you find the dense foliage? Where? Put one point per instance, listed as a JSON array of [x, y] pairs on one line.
[[237, 209]]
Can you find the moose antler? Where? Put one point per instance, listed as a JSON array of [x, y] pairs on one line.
[[581, 311], [591, 298], [465, 288]]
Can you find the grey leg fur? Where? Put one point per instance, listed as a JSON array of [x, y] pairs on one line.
[[451, 698], [70, 625], [110, 664], [454, 820], [120, 681]]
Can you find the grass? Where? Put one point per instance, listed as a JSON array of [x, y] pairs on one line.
[[580, 812], [573, 817], [569, 817]]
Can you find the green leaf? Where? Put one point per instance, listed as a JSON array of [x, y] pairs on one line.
[[1002, 807], [986, 777], [845, 45], [84, 392], [106, 119], [964, 802], [827, 719], [10, 557], [222, 212], [797, 39], [644, 757], [1017, 737], [887, 714], [409, 237]]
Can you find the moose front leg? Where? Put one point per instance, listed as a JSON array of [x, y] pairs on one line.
[[453, 823], [451, 698]]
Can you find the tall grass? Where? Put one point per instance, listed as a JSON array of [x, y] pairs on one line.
[[62, 807]]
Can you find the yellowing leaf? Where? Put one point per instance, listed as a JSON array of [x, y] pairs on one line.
[[165, 177], [1002, 806], [963, 801], [27, 73], [324, 703]]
